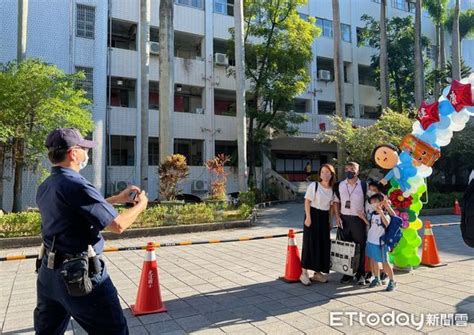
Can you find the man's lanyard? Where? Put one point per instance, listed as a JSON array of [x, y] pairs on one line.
[[347, 187]]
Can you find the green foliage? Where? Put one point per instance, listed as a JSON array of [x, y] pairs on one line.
[[20, 224], [466, 23], [247, 198], [442, 200], [36, 98], [437, 9], [359, 142], [401, 63], [245, 211]]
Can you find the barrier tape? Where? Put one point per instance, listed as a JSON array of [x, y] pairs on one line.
[[163, 245], [184, 243]]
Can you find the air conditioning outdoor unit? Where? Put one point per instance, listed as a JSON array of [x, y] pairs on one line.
[[199, 186], [324, 75], [221, 59], [154, 48]]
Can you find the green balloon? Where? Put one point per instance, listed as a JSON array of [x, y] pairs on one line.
[[401, 261], [416, 206], [394, 183], [422, 189], [391, 258], [414, 260], [401, 245], [415, 243], [410, 234], [412, 215]]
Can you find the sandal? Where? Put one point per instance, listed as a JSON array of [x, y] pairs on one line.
[[318, 277]]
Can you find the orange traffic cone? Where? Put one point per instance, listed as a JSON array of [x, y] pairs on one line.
[[430, 255], [457, 208], [149, 295], [293, 262]]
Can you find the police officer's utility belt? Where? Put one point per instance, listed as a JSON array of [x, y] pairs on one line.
[[76, 269]]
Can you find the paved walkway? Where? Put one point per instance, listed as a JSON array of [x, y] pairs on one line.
[[232, 287]]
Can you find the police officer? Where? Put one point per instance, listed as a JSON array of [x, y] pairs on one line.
[[73, 214]]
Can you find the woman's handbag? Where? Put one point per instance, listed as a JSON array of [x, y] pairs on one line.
[[344, 255]]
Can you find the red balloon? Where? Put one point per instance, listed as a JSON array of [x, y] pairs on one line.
[[460, 95], [428, 114]]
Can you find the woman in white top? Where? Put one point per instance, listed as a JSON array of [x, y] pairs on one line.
[[316, 249]]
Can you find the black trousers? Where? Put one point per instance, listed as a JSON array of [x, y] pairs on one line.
[[354, 230]]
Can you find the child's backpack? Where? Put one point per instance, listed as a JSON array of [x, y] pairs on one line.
[[393, 233]]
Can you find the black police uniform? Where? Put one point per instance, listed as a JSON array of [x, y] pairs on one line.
[[73, 213]]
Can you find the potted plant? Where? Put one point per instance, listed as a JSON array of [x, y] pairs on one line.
[[172, 171], [218, 196]]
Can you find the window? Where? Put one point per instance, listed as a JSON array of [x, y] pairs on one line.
[[376, 1], [88, 82], [299, 106], [85, 21], [350, 110], [326, 27], [369, 112], [122, 150], [360, 41], [229, 148], [346, 32], [122, 92], [326, 107], [191, 3], [304, 16], [153, 151], [225, 7], [406, 5], [366, 75], [191, 149]]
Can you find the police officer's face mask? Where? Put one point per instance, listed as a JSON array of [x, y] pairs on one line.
[[83, 164]]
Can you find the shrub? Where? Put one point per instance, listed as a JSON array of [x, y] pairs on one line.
[[219, 177], [245, 210], [171, 172], [247, 198], [442, 200], [20, 224]]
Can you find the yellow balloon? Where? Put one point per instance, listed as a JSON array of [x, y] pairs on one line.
[[417, 224]]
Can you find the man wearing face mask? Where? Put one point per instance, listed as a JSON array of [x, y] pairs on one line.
[[349, 203], [72, 276]]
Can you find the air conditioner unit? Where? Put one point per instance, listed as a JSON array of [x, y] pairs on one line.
[[199, 186], [154, 48], [221, 59], [324, 75], [199, 110]]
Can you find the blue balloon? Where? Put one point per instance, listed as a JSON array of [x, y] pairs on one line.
[[428, 137], [444, 122], [405, 157], [446, 90], [445, 108]]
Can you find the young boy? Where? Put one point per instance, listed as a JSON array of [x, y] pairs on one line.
[[376, 252]]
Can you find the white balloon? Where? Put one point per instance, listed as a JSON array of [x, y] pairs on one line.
[[424, 171], [416, 181], [443, 142], [458, 126], [446, 90], [444, 134], [470, 110], [442, 98], [417, 129]]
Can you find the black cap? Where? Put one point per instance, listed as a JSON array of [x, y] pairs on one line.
[[67, 138]]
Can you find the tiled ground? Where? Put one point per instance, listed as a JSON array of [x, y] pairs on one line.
[[233, 288]]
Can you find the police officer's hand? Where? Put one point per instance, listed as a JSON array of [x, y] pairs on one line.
[[125, 196], [142, 200]]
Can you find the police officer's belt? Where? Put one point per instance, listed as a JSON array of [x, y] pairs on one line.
[[60, 257]]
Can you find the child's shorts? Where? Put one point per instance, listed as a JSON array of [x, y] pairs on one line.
[[377, 252]]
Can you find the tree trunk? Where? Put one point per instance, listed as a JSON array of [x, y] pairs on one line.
[[384, 80], [240, 92], [338, 77], [252, 179], [436, 86], [398, 93], [144, 90], [166, 78], [442, 51], [455, 56], [2, 169], [419, 75], [18, 161]]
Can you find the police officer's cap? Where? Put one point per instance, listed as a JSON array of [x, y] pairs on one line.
[[67, 138]]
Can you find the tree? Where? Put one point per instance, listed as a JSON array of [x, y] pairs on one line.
[[36, 98], [166, 89], [401, 65], [383, 59], [444, 74], [277, 53], [455, 45], [359, 142], [338, 73], [466, 23], [419, 73], [437, 11]]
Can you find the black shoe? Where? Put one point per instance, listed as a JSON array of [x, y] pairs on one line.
[[346, 279]]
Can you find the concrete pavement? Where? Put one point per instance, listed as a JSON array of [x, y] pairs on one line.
[[232, 287]]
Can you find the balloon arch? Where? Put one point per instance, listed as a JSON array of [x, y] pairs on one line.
[[420, 149]]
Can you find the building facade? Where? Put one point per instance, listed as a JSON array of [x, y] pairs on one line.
[[101, 37]]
